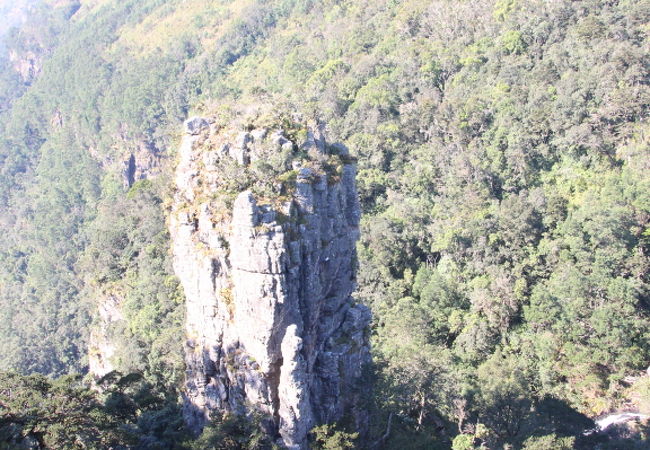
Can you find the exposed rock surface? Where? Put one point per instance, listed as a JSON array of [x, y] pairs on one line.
[[101, 348], [27, 64], [142, 163], [271, 323]]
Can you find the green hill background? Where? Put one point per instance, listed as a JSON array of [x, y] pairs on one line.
[[503, 152]]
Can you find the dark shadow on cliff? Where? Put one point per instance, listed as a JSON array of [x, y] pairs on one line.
[[233, 421]]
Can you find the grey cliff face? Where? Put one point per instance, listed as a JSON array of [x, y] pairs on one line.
[[101, 348], [271, 324]]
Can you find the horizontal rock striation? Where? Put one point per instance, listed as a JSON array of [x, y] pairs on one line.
[[268, 279]]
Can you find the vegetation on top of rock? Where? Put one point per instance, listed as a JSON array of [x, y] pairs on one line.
[[264, 150]]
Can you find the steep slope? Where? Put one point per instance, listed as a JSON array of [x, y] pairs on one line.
[[503, 151], [94, 120], [270, 318]]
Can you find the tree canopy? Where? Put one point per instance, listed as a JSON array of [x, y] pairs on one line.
[[503, 156]]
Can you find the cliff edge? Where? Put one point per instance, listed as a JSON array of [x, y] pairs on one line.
[[264, 224]]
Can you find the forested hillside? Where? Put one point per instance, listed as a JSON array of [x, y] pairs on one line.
[[504, 157]]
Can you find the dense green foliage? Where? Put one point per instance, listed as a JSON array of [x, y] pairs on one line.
[[127, 258], [503, 154], [55, 414], [124, 412], [327, 437]]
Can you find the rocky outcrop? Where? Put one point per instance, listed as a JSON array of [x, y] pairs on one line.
[[101, 347], [142, 163], [268, 272], [26, 64]]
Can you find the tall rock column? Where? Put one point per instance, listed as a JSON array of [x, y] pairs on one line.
[[268, 270]]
